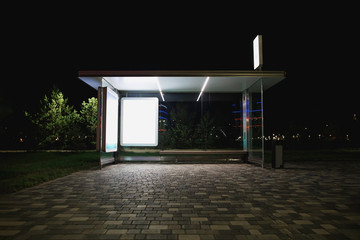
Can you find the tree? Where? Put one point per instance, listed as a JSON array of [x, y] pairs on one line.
[[181, 127], [206, 131], [56, 122], [88, 121]]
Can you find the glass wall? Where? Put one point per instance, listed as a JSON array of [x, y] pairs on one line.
[[213, 122], [255, 122], [216, 121]]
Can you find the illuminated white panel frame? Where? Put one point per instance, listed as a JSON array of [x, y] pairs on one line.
[[258, 55], [111, 121], [139, 121]]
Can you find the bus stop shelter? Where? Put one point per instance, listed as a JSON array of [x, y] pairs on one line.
[[181, 85]]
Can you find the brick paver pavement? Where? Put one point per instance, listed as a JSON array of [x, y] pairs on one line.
[[190, 201]]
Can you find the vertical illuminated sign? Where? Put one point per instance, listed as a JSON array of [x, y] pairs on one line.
[[111, 120], [139, 121], [258, 55]]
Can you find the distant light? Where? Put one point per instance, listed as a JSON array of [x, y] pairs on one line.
[[203, 87]]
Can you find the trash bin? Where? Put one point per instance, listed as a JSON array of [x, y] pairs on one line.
[[277, 156]]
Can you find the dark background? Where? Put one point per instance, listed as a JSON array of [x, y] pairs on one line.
[[317, 47]]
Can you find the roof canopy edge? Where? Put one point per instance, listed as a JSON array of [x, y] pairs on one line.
[[175, 73]]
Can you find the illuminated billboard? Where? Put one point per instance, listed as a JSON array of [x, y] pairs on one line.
[[257, 48], [139, 121]]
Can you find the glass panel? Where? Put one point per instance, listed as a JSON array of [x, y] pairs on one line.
[[256, 121], [214, 122]]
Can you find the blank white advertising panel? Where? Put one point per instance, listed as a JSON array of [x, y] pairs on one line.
[[139, 121]]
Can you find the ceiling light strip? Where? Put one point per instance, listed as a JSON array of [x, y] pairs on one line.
[[203, 88], [161, 94]]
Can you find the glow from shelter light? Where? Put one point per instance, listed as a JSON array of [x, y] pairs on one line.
[[203, 88], [139, 121], [138, 83]]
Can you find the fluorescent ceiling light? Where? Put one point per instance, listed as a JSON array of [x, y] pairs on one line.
[[161, 94], [203, 88]]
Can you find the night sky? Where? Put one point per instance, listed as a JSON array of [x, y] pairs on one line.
[[317, 48]]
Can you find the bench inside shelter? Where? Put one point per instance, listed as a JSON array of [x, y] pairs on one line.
[[198, 154]]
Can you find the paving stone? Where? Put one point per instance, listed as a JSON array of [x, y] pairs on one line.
[[116, 231], [301, 222], [113, 222], [11, 223], [38, 227], [241, 223], [199, 219], [79, 219], [6, 233], [309, 200], [320, 231], [152, 226], [220, 227], [189, 237]]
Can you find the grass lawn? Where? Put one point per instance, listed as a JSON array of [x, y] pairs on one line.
[[22, 170], [340, 154]]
